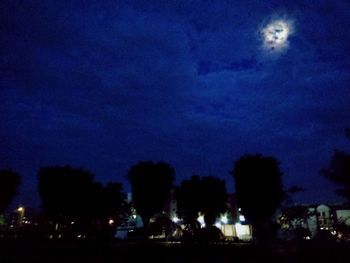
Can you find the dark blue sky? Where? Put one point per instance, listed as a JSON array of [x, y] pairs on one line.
[[105, 84]]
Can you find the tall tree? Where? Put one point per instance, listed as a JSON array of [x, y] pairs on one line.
[[110, 203], [206, 195], [338, 171], [259, 190], [65, 192], [9, 181], [151, 184], [214, 198], [108, 208], [70, 194], [188, 199]]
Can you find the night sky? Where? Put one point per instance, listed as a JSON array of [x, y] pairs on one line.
[[105, 84]]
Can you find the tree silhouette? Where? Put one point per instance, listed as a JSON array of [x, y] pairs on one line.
[[65, 192], [151, 184], [206, 195], [258, 182], [9, 182], [110, 203], [71, 195], [188, 198], [108, 208], [214, 198], [338, 171]]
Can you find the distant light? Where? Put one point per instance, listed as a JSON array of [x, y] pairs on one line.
[[111, 222], [20, 209], [134, 216], [239, 209], [72, 223], [175, 219], [241, 218], [218, 224], [200, 219], [224, 219]]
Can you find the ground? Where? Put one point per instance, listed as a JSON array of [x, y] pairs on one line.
[[53, 251]]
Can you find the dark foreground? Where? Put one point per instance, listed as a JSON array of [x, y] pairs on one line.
[[53, 251]]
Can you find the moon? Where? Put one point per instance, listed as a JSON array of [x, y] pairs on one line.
[[275, 35]]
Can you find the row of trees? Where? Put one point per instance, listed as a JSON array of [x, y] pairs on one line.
[[72, 195]]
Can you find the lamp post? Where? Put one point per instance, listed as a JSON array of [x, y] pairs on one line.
[[20, 211]]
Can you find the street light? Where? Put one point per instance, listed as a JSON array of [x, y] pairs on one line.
[[20, 211]]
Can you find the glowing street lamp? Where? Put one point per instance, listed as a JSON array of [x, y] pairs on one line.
[[20, 211]]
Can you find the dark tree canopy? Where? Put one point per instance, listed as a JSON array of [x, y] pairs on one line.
[[110, 202], [259, 190], [206, 195], [9, 182], [214, 198], [188, 197], [151, 184], [71, 194], [338, 171], [65, 192]]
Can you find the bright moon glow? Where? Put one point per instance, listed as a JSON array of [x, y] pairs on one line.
[[275, 34]]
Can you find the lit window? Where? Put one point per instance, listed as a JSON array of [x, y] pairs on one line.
[[242, 230]]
